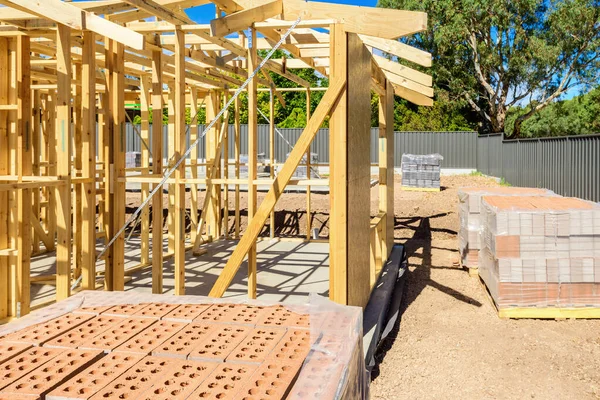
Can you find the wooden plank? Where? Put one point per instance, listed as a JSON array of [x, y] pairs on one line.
[[63, 162], [73, 17], [194, 110], [88, 145], [36, 125], [76, 193], [403, 71], [145, 163], [252, 159], [157, 166], [225, 144], [40, 233], [5, 152], [171, 153], [398, 49], [180, 133], [255, 226], [381, 22], [213, 210], [338, 232], [388, 110], [241, 20], [159, 11], [397, 80]]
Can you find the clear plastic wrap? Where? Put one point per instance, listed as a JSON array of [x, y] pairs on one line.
[[540, 251], [421, 171], [333, 369], [469, 205]]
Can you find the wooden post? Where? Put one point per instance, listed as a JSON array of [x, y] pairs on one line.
[[115, 260], [171, 151], [272, 154], [63, 161], [36, 153], [211, 140], [252, 158], [179, 217], [237, 166], [24, 168], [88, 158], [157, 165], [145, 137], [77, 189], [194, 162], [4, 170], [225, 157], [308, 174], [350, 173], [386, 167]]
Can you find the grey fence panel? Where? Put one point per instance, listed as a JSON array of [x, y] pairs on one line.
[[458, 148]]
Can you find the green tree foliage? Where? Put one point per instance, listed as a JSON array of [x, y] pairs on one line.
[[578, 116], [498, 54]]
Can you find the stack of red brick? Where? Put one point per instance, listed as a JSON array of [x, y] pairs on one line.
[[172, 351], [470, 217], [540, 251]]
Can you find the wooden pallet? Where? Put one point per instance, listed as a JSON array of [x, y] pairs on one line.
[[416, 189], [556, 313]]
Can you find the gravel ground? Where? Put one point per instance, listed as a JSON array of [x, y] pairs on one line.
[[449, 342]]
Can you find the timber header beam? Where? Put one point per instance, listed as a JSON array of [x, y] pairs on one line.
[[243, 19]]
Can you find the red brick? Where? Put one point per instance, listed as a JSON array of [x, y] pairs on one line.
[[117, 334], [125, 310], [18, 397], [40, 333], [280, 316], [48, 376], [293, 347], [181, 344], [224, 383], [220, 343], [10, 350], [80, 335], [155, 310], [186, 312], [231, 314], [150, 338], [136, 380], [95, 377], [257, 345], [24, 363], [182, 378], [272, 380]]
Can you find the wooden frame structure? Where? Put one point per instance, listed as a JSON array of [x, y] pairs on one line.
[[66, 71]]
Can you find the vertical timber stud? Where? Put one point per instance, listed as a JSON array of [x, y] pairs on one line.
[[171, 151], [179, 233], [389, 188], [77, 189], [36, 125], [117, 250], [349, 238], [212, 136], [272, 153], [308, 169], [252, 157], [24, 157], [225, 158], [194, 162], [338, 231], [88, 143], [157, 166], [145, 136], [4, 170], [237, 166], [63, 161]]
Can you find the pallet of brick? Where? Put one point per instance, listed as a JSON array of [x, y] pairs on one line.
[[421, 172], [469, 215], [540, 256], [126, 345]]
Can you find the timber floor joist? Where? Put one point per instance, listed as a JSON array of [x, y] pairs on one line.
[[68, 70]]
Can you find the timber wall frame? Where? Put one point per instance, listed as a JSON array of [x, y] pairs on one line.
[[65, 66]]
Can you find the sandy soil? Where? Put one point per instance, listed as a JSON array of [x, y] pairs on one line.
[[449, 342]]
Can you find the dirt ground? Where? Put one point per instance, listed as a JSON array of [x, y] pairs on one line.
[[449, 342]]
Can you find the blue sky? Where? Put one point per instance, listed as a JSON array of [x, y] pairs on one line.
[[203, 14]]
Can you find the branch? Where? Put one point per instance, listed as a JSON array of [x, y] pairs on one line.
[[480, 77], [476, 107]]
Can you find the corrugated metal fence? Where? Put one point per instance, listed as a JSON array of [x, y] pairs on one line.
[[569, 165]]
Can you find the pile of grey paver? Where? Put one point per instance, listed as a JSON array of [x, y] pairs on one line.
[[421, 171]]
